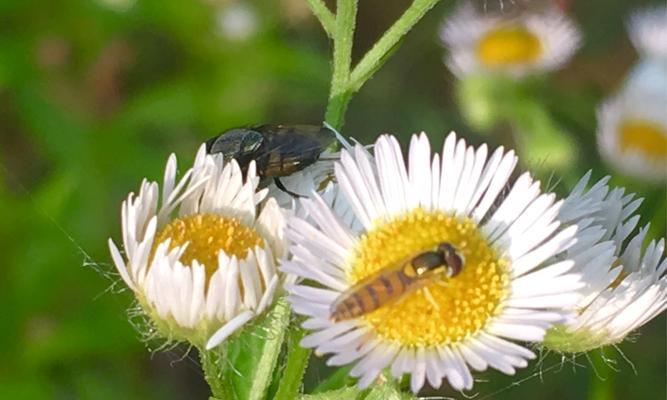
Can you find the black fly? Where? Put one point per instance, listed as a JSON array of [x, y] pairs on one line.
[[278, 150]]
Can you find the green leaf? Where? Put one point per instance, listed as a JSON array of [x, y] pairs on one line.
[[295, 365], [251, 356], [387, 392], [340, 378]]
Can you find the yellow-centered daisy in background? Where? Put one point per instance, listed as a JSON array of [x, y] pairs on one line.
[[200, 257], [632, 125], [632, 133], [531, 42], [467, 321], [625, 286]]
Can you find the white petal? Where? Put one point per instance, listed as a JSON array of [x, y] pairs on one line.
[[229, 328]]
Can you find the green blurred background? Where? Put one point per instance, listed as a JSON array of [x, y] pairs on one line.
[[95, 94]]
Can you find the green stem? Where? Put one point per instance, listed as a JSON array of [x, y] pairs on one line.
[[345, 83], [601, 377], [339, 94], [324, 15], [297, 361], [378, 54], [210, 363]]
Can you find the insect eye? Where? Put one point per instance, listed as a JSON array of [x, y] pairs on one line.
[[446, 248]]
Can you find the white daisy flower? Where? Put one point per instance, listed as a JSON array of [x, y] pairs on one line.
[[648, 31], [625, 287], [199, 258], [530, 43], [632, 133], [454, 324]]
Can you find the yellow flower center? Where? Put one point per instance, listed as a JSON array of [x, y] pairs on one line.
[[645, 137], [447, 310], [508, 45], [207, 234]]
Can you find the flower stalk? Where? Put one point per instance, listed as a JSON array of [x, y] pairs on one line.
[[345, 80], [340, 94], [324, 15]]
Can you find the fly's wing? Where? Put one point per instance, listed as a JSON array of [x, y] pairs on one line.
[[288, 149], [315, 133]]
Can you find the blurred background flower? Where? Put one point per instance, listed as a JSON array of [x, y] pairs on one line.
[[525, 43], [92, 98], [632, 125], [502, 59], [237, 21]]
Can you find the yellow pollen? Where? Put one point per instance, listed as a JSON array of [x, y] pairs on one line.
[[646, 137], [207, 234], [464, 303], [508, 45]]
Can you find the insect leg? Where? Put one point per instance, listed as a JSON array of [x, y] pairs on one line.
[[430, 299], [279, 185]]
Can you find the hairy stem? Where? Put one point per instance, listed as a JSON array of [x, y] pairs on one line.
[[339, 95], [345, 83], [378, 54], [324, 15]]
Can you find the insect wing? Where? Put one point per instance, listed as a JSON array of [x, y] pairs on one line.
[[288, 149]]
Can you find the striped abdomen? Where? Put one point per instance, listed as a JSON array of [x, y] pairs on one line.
[[372, 293], [389, 285]]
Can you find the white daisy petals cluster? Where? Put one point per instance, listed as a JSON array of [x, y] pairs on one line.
[[506, 290], [530, 43], [632, 124], [625, 286], [200, 257]]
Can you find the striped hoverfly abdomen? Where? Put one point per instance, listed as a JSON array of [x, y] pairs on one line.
[[393, 283]]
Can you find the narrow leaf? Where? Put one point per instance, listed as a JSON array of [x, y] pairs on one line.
[[251, 355]]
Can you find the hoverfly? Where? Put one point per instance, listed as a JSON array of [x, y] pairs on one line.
[[278, 150], [391, 284]]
